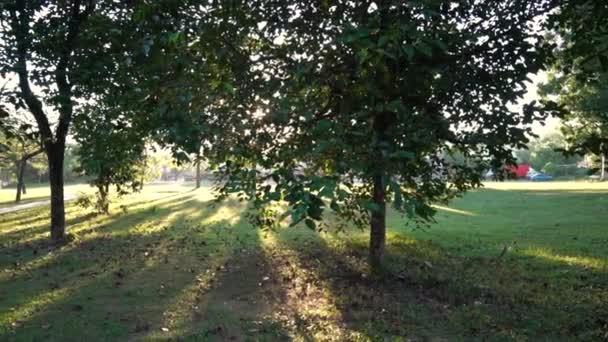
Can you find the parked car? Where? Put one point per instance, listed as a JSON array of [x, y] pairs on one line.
[[539, 177]]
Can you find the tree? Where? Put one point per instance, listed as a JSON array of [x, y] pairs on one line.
[[198, 172], [548, 149], [39, 44], [109, 152], [65, 55], [355, 103], [25, 157], [584, 112], [198, 60], [19, 145], [579, 77]]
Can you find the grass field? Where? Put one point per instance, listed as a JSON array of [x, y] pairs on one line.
[[513, 261], [37, 192]]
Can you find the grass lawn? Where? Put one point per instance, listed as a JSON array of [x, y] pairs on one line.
[[38, 192], [513, 261]]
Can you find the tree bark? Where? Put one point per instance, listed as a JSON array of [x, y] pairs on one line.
[[55, 157], [198, 173], [103, 202], [377, 238], [603, 171], [20, 185], [21, 171]]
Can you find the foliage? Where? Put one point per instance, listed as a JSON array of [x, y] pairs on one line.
[[62, 55], [549, 149], [70, 163], [580, 26], [20, 146], [348, 106], [12, 149], [579, 79], [585, 105], [110, 153]]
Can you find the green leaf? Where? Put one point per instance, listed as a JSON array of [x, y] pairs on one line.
[[409, 52], [334, 206], [440, 44], [315, 211], [371, 206], [425, 49], [400, 154], [174, 37], [323, 125], [310, 224], [362, 56], [382, 41], [229, 87]]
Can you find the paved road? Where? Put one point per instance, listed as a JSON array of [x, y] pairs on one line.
[[29, 205]]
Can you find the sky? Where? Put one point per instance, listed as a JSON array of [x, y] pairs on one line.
[[551, 124]]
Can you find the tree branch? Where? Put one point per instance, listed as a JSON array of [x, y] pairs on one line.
[[61, 77], [21, 27]]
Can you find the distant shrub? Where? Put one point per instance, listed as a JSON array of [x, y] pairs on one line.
[[550, 169]]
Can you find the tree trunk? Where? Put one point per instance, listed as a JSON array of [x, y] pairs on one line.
[[21, 171], [198, 173], [377, 238], [55, 157], [603, 171], [382, 122], [103, 202], [20, 185]]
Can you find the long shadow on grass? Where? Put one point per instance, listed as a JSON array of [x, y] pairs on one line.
[[15, 251], [26, 200], [202, 273], [26, 217], [139, 276], [229, 299], [434, 294]]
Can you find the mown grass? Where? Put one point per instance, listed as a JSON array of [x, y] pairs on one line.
[[38, 192], [514, 261]]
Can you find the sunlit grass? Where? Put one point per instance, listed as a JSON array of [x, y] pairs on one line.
[[512, 261], [582, 261], [39, 192], [455, 211], [547, 186], [19, 314]]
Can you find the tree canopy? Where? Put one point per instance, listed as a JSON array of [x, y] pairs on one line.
[[342, 106], [579, 76], [350, 105]]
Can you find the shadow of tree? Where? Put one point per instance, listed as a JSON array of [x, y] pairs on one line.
[[19, 254], [430, 293], [26, 200], [186, 268], [136, 274]]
